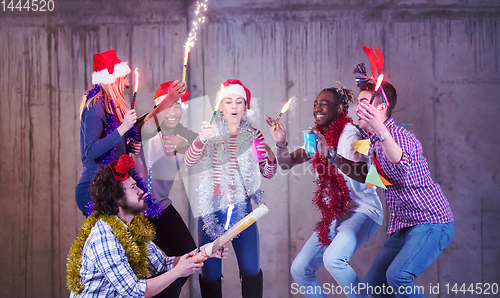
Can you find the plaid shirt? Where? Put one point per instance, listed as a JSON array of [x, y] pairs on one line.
[[413, 198], [105, 270]]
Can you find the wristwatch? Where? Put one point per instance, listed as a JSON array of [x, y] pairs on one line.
[[332, 155], [382, 137]]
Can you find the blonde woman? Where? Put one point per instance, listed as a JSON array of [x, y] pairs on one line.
[[107, 128], [230, 178]]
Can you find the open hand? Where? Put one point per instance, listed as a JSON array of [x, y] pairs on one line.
[[278, 133], [372, 116], [176, 90]]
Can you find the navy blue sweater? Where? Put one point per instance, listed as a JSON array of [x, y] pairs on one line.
[[93, 140]]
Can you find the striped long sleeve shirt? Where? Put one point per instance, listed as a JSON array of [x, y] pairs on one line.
[[194, 153]]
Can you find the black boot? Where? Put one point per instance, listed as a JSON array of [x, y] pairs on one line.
[[211, 289], [252, 286]]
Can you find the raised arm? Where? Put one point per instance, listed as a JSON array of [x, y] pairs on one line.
[[193, 154], [286, 159], [267, 166], [175, 91], [195, 151], [375, 119]]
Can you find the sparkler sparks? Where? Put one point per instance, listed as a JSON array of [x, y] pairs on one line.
[[201, 7]]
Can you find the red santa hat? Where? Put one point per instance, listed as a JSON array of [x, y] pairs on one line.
[[233, 86], [107, 68], [162, 92]]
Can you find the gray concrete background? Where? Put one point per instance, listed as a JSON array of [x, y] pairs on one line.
[[442, 56]]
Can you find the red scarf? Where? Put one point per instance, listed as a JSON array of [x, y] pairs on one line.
[[330, 183]]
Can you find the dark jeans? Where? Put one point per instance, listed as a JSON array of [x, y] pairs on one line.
[[246, 248], [174, 238]]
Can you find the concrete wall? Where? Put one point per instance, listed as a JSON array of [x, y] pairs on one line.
[[442, 56]]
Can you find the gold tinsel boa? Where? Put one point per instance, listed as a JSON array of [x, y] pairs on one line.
[[135, 241]]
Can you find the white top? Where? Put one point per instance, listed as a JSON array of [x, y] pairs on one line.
[[364, 199]]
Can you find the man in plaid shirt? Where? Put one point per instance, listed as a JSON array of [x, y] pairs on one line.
[[421, 222], [105, 269]]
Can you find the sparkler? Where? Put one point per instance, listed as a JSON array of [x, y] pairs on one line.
[[187, 48], [284, 109], [217, 104], [384, 97], [229, 213], [136, 87], [199, 19], [379, 82]]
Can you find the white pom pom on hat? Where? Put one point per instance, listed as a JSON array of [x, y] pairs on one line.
[[108, 68]]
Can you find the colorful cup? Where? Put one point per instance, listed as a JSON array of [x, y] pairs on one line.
[[257, 154], [310, 142]]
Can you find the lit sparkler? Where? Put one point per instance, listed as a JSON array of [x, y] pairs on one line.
[[229, 214], [379, 82], [217, 104], [199, 19], [136, 87], [284, 109]]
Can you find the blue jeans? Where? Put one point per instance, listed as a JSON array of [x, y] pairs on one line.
[[404, 255], [348, 233], [246, 248]]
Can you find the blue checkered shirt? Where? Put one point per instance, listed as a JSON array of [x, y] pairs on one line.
[[413, 198], [105, 270]]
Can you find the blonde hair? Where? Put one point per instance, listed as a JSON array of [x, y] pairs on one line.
[[114, 99]]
